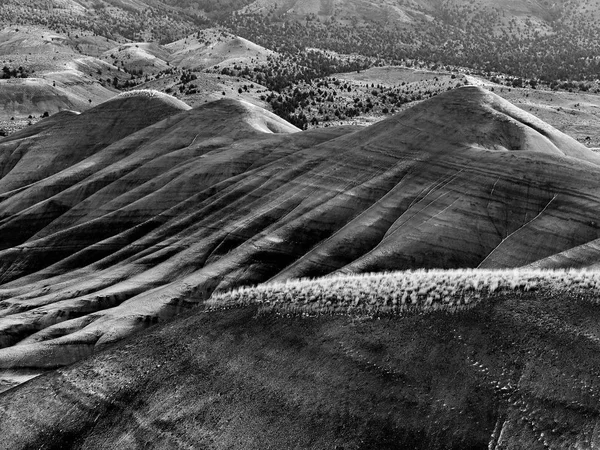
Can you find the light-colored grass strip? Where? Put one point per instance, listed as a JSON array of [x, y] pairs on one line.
[[404, 292], [143, 93]]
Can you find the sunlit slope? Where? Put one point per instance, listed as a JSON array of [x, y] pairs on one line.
[[139, 56], [519, 371], [123, 215], [36, 96], [59, 77], [38, 157], [216, 48]]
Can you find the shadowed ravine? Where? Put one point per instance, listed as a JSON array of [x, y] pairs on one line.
[[124, 215]]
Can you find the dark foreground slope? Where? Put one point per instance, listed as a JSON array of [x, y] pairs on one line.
[[514, 372], [141, 207]]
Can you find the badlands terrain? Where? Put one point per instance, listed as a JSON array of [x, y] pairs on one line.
[[46, 72], [143, 211], [299, 224]]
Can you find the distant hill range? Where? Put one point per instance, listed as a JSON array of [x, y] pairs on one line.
[[78, 54], [552, 41]]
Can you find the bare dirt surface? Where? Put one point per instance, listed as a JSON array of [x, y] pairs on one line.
[[213, 47], [515, 372], [137, 209]]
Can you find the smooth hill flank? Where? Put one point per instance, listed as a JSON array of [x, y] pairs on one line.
[[516, 371], [129, 213], [33, 39], [36, 96], [139, 56], [215, 48], [74, 140], [59, 76]]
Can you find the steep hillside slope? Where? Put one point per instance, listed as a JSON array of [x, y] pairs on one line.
[[516, 372], [116, 219]]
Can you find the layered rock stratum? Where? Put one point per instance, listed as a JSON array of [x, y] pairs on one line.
[[140, 208], [122, 216]]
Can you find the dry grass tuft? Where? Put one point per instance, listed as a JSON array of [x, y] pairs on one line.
[[400, 292], [150, 93]]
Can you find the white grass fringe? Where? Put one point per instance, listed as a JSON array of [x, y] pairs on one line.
[[399, 292]]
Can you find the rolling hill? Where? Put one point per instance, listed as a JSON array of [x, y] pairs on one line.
[[139, 208], [139, 56], [52, 72], [187, 272], [57, 76], [213, 47], [142, 208]]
